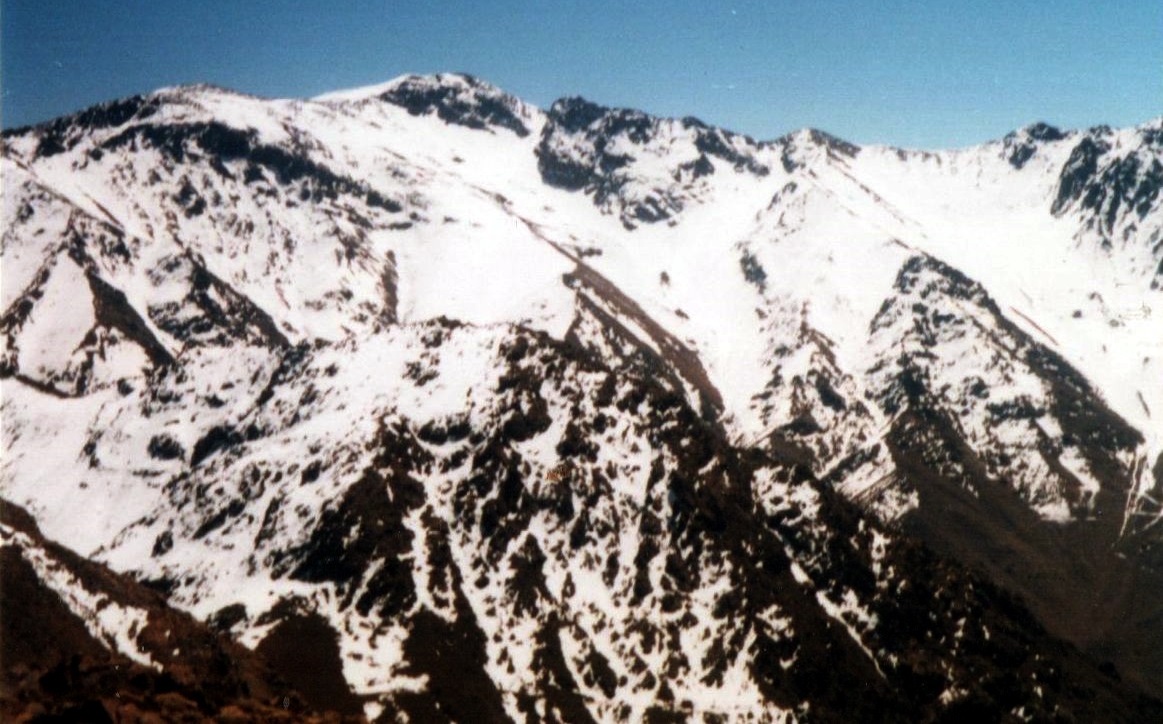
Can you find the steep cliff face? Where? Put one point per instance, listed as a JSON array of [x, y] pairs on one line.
[[494, 413], [1113, 180]]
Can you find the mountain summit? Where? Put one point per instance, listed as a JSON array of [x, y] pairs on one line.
[[494, 413]]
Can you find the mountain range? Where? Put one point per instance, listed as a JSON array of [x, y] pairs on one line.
[[420, 402]]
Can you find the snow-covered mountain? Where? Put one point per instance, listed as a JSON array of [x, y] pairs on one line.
[[586, 414]]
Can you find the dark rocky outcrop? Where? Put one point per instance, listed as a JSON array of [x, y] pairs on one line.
[[577, 152], [458, 99]]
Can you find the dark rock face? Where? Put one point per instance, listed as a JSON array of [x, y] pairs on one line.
[[212, 313], [753, 271], [1044, 132], [64, 133], [164, 447], [591, 148], [463, 101], [113, 311], [304, 651], [1114, 191], [1124, 185], [1079, 172], [1022, 145], [592, 168], [836, 145], [179, 142], [1117, 192], [717, 143]]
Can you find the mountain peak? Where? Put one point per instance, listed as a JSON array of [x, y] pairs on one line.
[[443, 80], [575, 113], [456, 98], [1041, 131], [824, 139], [1022, 144]]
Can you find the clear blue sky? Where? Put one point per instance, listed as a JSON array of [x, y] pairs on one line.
[[919, 74]]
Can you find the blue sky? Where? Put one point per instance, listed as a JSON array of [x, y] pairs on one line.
[[918, 74]]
